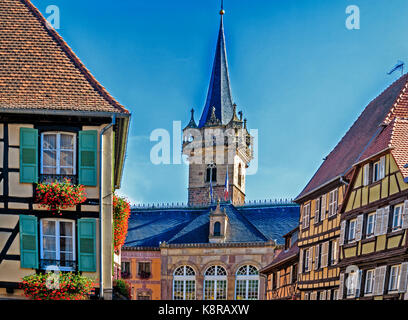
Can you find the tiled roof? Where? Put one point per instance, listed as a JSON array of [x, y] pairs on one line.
[[38, 70], [219, 91], [399, 144], [149, 227], [392, 102]]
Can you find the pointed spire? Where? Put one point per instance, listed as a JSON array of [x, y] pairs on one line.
[[219, 91], [192, 123]]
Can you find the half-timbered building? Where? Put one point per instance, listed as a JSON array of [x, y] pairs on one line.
[[283, 271], [374, 216], [56, 122]]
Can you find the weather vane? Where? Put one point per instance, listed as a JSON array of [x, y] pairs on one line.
[[222, 8], [399, 65]]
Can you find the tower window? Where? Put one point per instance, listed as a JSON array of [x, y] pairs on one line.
[[240, 175], [217, 229], [211, 173]]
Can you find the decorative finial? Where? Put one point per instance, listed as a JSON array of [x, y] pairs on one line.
[[222, 12]]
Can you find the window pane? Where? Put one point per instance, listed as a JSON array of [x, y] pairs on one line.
[[190, 289], [65, 228], [178, 290], [253, 289], [209, 290], [50, 255], [49, 243], [50, 141], [48, 227], [50, 158], [241, 290], [67, 158], [66, 244], [221, 289], [67, 171], [67, 142], [66, 256]]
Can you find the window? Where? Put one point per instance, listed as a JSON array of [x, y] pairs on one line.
[[211, 173], [352, 283], [335, 294], [370, 225], [317, 210], [125, 270], [215, 283], [144, 270], [376, 171], [184, 283], [58, 153], [144, 296], [57, 244], [332, 252], [217, 229], [369, 282], [306, 260], [247, 283], [333, 202], [239, 175], [394, 278], [352, 230], [397, 217], [306, 216]]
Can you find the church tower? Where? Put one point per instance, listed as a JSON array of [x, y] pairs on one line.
[[219, 148]]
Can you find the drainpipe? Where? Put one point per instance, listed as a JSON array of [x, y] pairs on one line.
[[101, 203]]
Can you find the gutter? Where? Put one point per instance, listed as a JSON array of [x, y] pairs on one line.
[[101, 202], [97, 114]]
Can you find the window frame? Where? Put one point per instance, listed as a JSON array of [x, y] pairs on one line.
[[57, 243], [247, 278], [306, 267], [369, 280], [394, 279], [184, 278], [217, 279], [333, 202], [399, 225], [306, 218], [371, 234], [376, 171], [58, 152], [350, 223]]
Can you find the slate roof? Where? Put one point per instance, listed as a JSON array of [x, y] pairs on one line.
[[392, 103], [38, 70], [149, 227], [219, 91]]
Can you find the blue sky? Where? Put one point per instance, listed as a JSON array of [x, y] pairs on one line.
[[299, 75]]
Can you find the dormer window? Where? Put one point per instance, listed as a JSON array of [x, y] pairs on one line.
[[373, 172], [217, 229], [58, 153]]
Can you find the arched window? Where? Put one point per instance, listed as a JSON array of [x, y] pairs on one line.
[[215, 283], [184, 283], [211, 173], [247, 283], [217, 229]]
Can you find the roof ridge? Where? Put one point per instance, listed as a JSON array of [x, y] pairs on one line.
[[339, 143], [74, 58]]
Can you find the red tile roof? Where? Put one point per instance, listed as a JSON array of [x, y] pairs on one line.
[[399, 144], [389, 104], [38, 70]]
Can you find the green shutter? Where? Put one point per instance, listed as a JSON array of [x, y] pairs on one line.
[[28, 155], [87, 245], [88, 143], [28, 242]]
